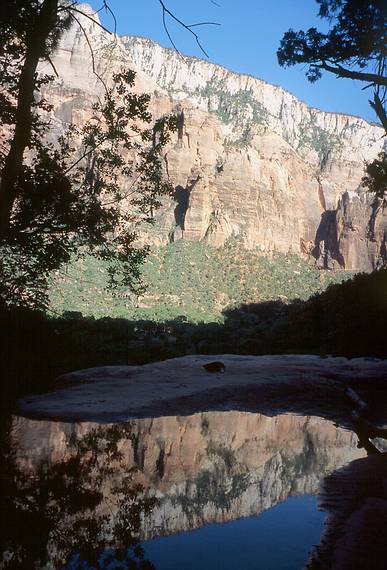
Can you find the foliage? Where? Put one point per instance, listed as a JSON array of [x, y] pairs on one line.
[[348, 319], [61, 209], [356, 40], [354, 48], [29, 31], [190, 279], [19, 26], [376, 175], [230, 106], [60, 201], [317, 138], [243, 141]]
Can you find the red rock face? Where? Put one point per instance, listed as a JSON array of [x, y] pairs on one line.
[[248, 160], [361, 231]]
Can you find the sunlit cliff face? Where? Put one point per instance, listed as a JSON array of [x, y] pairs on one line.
[[248, 158]]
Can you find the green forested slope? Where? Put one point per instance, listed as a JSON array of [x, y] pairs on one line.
[[190, 279]]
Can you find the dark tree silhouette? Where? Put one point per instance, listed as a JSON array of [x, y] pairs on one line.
[[353, 48], [54, 200]]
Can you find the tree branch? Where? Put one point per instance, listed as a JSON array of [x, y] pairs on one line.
[[72, 9], [91, 50], [52, 65], [342, 72], [377, 106], [185, 26]]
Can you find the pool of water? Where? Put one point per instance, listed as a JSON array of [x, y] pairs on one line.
[[211, 490], [278, 539]]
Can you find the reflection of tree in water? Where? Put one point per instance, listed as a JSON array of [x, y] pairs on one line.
[[59, 514]]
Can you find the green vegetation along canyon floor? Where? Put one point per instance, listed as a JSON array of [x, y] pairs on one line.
[[193, 280]]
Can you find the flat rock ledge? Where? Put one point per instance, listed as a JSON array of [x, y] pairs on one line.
[[305, 384]]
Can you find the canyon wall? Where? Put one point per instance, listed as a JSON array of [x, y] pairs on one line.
[[248, 158]]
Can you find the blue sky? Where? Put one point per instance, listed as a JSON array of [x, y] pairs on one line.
[[245, 42]]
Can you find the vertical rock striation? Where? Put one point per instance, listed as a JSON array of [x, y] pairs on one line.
[[248, 159]]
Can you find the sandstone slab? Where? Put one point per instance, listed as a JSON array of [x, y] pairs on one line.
[[304, 384]]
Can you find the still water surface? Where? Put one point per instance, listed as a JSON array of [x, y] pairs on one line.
[[279, 539], [212, 490]]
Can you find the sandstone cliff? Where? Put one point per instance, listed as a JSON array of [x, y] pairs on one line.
[[248, 159]]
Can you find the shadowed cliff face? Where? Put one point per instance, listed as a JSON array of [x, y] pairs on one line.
[[248, 158], [209, 467]]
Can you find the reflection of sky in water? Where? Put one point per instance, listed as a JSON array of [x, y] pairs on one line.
[[278, 539]]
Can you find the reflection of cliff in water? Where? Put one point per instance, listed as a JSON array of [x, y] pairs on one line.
[[209, 467], [56, 514]]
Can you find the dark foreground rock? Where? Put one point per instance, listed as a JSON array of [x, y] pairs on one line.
[[304, 384], [356, 530]]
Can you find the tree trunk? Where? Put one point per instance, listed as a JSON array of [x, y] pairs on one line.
[[36, 42]]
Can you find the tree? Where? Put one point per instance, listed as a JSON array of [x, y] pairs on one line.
[[56, 201], [353, 48]]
